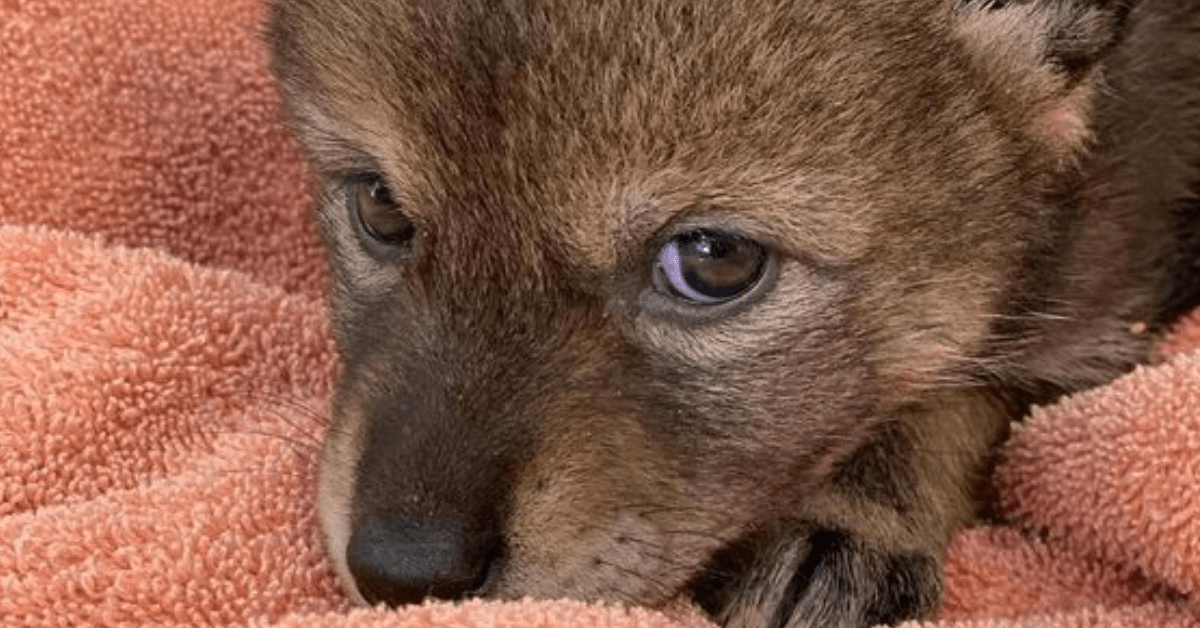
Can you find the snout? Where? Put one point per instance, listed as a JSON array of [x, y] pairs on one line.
[[415, 481], [457, 472], [403, 560]]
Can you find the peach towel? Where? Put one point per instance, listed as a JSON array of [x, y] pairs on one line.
[[164, 366]]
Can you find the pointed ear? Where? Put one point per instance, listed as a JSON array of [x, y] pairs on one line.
[[1042, 58]]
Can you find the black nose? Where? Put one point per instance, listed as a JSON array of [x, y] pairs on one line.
[[403, 561]]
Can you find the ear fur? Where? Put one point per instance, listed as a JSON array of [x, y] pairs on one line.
[[1042, 59]]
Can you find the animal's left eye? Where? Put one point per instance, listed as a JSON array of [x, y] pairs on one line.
[[709, 267]]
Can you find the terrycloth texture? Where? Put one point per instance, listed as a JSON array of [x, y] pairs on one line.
[[165, 364], [152, 123]]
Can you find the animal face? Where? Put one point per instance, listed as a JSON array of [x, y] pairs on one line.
[[644, 298]]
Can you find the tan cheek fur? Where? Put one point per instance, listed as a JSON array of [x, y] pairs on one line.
[[596, 507], [335, 490], [797, 294]]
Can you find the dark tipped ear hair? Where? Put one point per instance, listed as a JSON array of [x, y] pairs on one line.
[[1073, 34], [1041, 59]]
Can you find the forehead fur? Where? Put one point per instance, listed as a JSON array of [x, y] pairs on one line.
[[636, 111]]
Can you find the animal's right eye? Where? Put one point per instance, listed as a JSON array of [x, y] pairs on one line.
[[380, 216]]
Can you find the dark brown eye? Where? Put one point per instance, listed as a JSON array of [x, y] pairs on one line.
[[709, 267], [376, 209]]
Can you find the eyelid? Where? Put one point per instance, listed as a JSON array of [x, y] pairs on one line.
[[365, 175]]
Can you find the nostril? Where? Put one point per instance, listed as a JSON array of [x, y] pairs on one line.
[[403, 561]]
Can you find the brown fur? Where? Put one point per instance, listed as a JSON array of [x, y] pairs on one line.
[[969, 206]]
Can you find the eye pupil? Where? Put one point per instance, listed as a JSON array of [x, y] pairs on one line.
[[709, 267], [380, 193], [379, 214]]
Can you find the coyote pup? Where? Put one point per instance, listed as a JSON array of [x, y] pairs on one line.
[[724, 299]]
